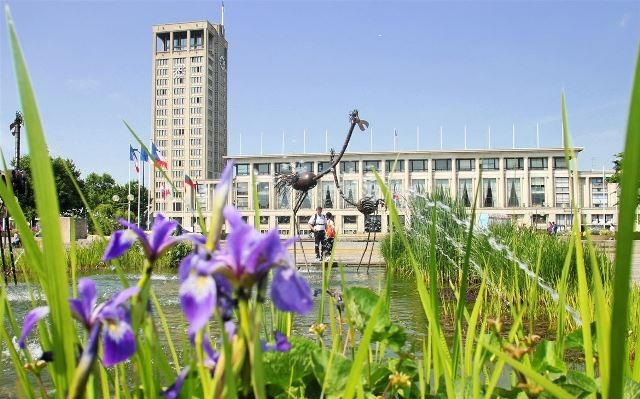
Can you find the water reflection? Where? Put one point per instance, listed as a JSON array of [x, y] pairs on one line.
[[405, 306]]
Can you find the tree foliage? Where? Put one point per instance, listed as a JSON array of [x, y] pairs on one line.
[[106, 198], [618, 167]]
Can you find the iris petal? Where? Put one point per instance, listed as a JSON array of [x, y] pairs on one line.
[[198, 300], [30, 321], [120, 242], [118, 342], [290, 292], [174, 390]]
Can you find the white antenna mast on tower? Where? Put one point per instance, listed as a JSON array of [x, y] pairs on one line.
[[222, 17]]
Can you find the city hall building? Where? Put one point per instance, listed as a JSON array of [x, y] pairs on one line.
[[529, 186]]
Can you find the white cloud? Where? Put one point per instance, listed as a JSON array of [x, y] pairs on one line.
[[82, 84], [624, 21]]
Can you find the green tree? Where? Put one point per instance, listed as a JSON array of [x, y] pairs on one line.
[[68, 198], [618, 167]]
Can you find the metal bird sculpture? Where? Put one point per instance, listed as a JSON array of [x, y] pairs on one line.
[[368, 206], [304, 181]]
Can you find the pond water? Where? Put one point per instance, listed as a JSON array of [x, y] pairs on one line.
[[405, 306]]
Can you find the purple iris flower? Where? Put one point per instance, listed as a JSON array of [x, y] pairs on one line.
[[198, 288], [290, 291], [111, 318], [282, 344], [174, 390], [154, 245]]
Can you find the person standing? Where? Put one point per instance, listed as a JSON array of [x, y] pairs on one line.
[[330, 233], [318, 223]]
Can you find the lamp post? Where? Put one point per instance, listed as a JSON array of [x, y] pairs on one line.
[[15, 131]]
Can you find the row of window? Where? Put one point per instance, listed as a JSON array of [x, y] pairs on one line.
[[512, 189], [163, 62], [414, 165], [195, 40], [179, 91]]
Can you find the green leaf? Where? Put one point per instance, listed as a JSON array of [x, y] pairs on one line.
[[56, 287], [335, 377], [578, 384], [285, 369], [631, 389], [545, 358], [574, 340], [360, 303]]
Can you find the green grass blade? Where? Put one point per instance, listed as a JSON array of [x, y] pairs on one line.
[[462, 290], [624, 243], [583, 288], [363, 351], [57, 284]]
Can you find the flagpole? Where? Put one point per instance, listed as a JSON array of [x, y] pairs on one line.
[[465, 137], [326, 140], [149, 195], [395, 135], [140, 188], [139, 198], [129, 193]]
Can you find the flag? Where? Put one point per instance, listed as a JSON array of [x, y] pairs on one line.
[[165, 192], [133, 157], [144, 156], [395, 133], [189, 182], [159, 160]]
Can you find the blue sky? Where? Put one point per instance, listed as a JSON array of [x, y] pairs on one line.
[[305, 65]]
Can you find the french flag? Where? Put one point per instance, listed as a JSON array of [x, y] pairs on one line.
[[159, 160], [133, 157]]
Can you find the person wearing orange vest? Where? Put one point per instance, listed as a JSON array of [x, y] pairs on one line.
[[330, 234]]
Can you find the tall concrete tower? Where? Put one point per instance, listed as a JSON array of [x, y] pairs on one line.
[[189, 110]]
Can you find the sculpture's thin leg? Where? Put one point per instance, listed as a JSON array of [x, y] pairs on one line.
[[365, 251], [299, 202], [373, 243], [5, 272]]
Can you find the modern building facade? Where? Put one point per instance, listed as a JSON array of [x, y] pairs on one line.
[[529, 186], [189, 108]]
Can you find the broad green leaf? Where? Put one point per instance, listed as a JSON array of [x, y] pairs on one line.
[[545, 358], [335, 376], [290, 368], [360, 302]]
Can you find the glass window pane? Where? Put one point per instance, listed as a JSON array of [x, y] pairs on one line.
[[393, 166], [488, 193], [465, 191], [442, 185], [537, 191], [350, 190], [263, 195], [441, 164], [514, 192], [395, 186], [327, 195], [418, 186]]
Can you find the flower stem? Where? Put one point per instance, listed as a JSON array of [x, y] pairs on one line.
[[205, 377], [252, 343]]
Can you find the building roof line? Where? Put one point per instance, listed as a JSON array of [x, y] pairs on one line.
[[409, 152]]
